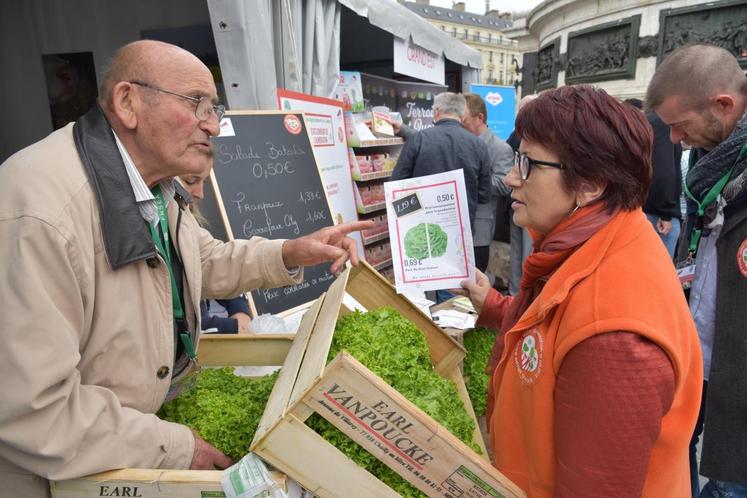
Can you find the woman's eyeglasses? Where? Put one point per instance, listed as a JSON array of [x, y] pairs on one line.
[[526, 163]]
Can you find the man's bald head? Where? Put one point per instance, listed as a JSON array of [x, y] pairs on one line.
[[144, 60], [696, 73], [150, 97]]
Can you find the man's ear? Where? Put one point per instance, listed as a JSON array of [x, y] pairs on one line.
[[723, 104], [588, 193], [124, 103]]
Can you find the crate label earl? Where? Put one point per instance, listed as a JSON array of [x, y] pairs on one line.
[[386, 424], [132, 491]]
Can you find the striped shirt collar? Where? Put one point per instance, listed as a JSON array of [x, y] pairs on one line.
[[143, 196]]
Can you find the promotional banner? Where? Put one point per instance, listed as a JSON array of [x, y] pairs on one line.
[[325, 121], [430, 231], [501, 104], [413, 60]]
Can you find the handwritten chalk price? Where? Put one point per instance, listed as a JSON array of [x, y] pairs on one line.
[[406, 205]]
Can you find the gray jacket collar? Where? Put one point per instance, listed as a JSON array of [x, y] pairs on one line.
[[126, 236]]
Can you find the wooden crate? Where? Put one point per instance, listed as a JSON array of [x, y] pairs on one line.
[[364, 407], [213, 350], [149, 483]]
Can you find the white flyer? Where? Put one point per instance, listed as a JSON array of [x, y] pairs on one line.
[[430, 232]]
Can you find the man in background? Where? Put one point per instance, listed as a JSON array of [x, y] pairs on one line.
[[501, 158], [662, 206], [447, 146]]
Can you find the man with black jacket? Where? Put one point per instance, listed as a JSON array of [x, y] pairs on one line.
[[445, 147], [663, 204]]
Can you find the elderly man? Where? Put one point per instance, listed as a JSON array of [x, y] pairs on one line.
[[701, 93], [501, 161], [446, 147], [105, 268]]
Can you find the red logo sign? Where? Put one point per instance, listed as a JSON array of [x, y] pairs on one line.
[[292, 124], [742, 258], [494, 98]]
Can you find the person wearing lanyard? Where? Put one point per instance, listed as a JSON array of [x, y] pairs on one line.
[[700, 91], [105, 268], [236, 308]]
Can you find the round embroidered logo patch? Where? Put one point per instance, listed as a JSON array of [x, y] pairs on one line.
[[742, 258], [528, 356]]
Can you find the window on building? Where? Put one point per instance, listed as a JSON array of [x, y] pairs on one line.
[[501, 57], [466, 33], [490, 76], [477, 36], [500, 39], [490, 37], [454, 33], [491, 56]]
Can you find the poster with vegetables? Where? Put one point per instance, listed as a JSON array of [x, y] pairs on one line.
[[430, 232]]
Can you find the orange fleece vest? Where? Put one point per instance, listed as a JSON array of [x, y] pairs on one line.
[[620, 279]]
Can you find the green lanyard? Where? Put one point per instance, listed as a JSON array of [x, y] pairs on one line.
[[709, 199], [163, 248]]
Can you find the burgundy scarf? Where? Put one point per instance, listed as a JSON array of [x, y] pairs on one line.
[[550, 251]]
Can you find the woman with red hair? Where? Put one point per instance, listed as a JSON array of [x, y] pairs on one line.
[[596, 372]]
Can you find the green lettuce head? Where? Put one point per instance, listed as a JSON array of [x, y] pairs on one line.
[[426, 240]]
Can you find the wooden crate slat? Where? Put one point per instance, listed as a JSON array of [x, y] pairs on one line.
[[372, 290], [456, 376], [315, 358], [243, 350], [149, 483], [281, 392], [317, 465], [401, 435]]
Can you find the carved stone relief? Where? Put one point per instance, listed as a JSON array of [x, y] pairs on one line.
[[546, 75], [723, 24], [605, 52]]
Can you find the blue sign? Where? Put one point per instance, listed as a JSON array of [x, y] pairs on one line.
[[501, 104]]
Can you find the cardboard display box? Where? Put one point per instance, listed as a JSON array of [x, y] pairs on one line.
[[213, 350], [368, 410]]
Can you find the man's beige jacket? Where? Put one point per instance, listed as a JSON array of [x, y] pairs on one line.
[[82, 344]]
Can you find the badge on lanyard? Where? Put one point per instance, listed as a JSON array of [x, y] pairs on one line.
[[686, 274], [187, 380]]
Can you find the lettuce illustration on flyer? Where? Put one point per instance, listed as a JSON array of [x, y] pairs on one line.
[[430, 231]]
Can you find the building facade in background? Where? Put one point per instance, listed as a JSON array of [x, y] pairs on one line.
[[484, 33]]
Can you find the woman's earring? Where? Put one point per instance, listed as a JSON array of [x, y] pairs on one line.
[[574, 210]]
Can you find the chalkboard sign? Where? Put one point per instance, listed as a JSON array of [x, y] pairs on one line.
[[267, 184], [406, 205]]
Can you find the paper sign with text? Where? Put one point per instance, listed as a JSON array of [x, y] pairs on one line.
[[430, 232]]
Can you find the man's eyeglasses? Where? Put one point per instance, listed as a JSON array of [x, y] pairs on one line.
[[526, 163], [204, 107]]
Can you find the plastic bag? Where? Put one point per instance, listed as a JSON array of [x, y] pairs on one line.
[[249, 478], [269, 324]]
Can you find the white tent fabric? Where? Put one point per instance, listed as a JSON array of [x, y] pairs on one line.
[[295, 44], [265, 44]]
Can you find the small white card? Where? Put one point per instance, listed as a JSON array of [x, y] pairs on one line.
[[430, 232]]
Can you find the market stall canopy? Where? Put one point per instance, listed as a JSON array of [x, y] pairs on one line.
[[404, 23], [295, 44]]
